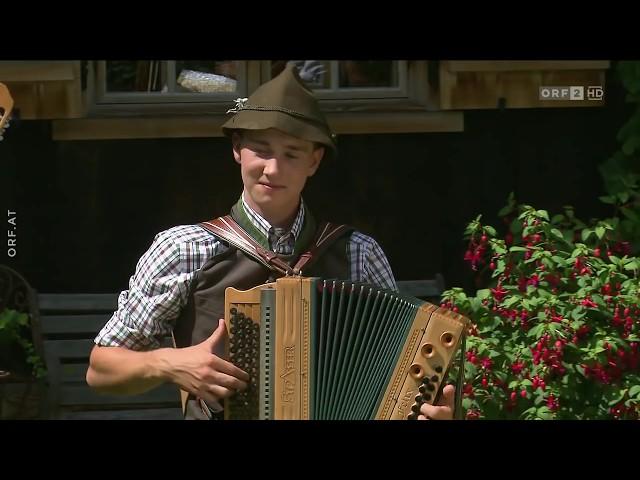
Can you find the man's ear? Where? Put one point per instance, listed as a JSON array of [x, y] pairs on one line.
[[236, 140], [317, 155]]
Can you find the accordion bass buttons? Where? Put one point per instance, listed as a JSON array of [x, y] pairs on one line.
[[427, 350], [416, 371], [448, 339]]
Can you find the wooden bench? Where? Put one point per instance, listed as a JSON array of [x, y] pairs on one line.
[[429, 289], [68, 323]]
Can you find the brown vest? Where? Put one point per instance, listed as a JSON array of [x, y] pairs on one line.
[[234, 268]]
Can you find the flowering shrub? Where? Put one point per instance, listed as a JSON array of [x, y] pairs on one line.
[[555, 334]]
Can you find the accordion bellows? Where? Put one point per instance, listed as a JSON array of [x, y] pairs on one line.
[[327, 349]]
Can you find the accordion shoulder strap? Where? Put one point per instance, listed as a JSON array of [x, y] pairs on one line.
[[325, 236], [228, 229]]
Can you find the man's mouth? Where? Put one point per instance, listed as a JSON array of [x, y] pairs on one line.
[[272, 186]]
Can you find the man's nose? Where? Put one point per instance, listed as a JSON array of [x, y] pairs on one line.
[[272, 165]]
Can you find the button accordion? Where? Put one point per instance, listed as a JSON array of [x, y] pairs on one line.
[[327, 349]]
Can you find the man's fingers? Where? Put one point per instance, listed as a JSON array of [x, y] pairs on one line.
[[229, 368], [230, 382], [448, 396], [218, 335], [436, 412], [221, 392]]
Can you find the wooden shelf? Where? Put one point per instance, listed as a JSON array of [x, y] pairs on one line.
[[44, 90], [467, 85], [523, 65]]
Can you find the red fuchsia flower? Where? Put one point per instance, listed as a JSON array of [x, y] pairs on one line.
[[475, 256], [467, 390], [534, 280], [622, 248], [583, 330], [486, 363], [473, 415], [498, 293], [522, 284], [556, 318], [517, 367], [587, 302], [552, 403], [508, 238], [553, 280]]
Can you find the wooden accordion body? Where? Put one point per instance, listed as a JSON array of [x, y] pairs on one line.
[[326, 349]]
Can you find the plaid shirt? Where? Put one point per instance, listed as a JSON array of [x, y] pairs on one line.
[[158, 289]]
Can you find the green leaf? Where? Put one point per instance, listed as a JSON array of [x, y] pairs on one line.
[[544, 413], [634, 391], [632, 265], [498, 248], [517, 249], [475, 304], [608, 199], [578, 312], [543, 214], [618, 397], [490, 230], [511, 301], [623, 196], [536, 331], [600, 232], [586, 233], [557, 233], [630, 214], [484, 293]]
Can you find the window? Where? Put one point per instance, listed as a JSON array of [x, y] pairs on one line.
[[190, 98], [150, 86], [350, 78], [338, 84]]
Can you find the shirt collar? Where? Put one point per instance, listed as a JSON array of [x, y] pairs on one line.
[[264, 226]]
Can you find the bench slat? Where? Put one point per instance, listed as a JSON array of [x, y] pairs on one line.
[[73, 372], [73, 324], [78, 302], [174, 413], [63, 349], [77, 395], [420, 288]]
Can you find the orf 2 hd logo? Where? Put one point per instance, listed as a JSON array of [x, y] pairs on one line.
[[574, 92], [595, 93]]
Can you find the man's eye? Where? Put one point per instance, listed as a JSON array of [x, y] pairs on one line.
[[291, 156]]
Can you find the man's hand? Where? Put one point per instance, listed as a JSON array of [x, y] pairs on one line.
[[443, 410], [200, 372]]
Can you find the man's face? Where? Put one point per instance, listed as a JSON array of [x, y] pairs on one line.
[[275, 167]]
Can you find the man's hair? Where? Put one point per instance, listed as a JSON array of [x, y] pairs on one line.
[[316, 145]]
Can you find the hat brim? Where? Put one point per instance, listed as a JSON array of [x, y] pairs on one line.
[[262, 120]]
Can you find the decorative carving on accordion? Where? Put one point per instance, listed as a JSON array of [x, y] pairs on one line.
[[329, 349]]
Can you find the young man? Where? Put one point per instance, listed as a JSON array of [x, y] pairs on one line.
[[279, 138]]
